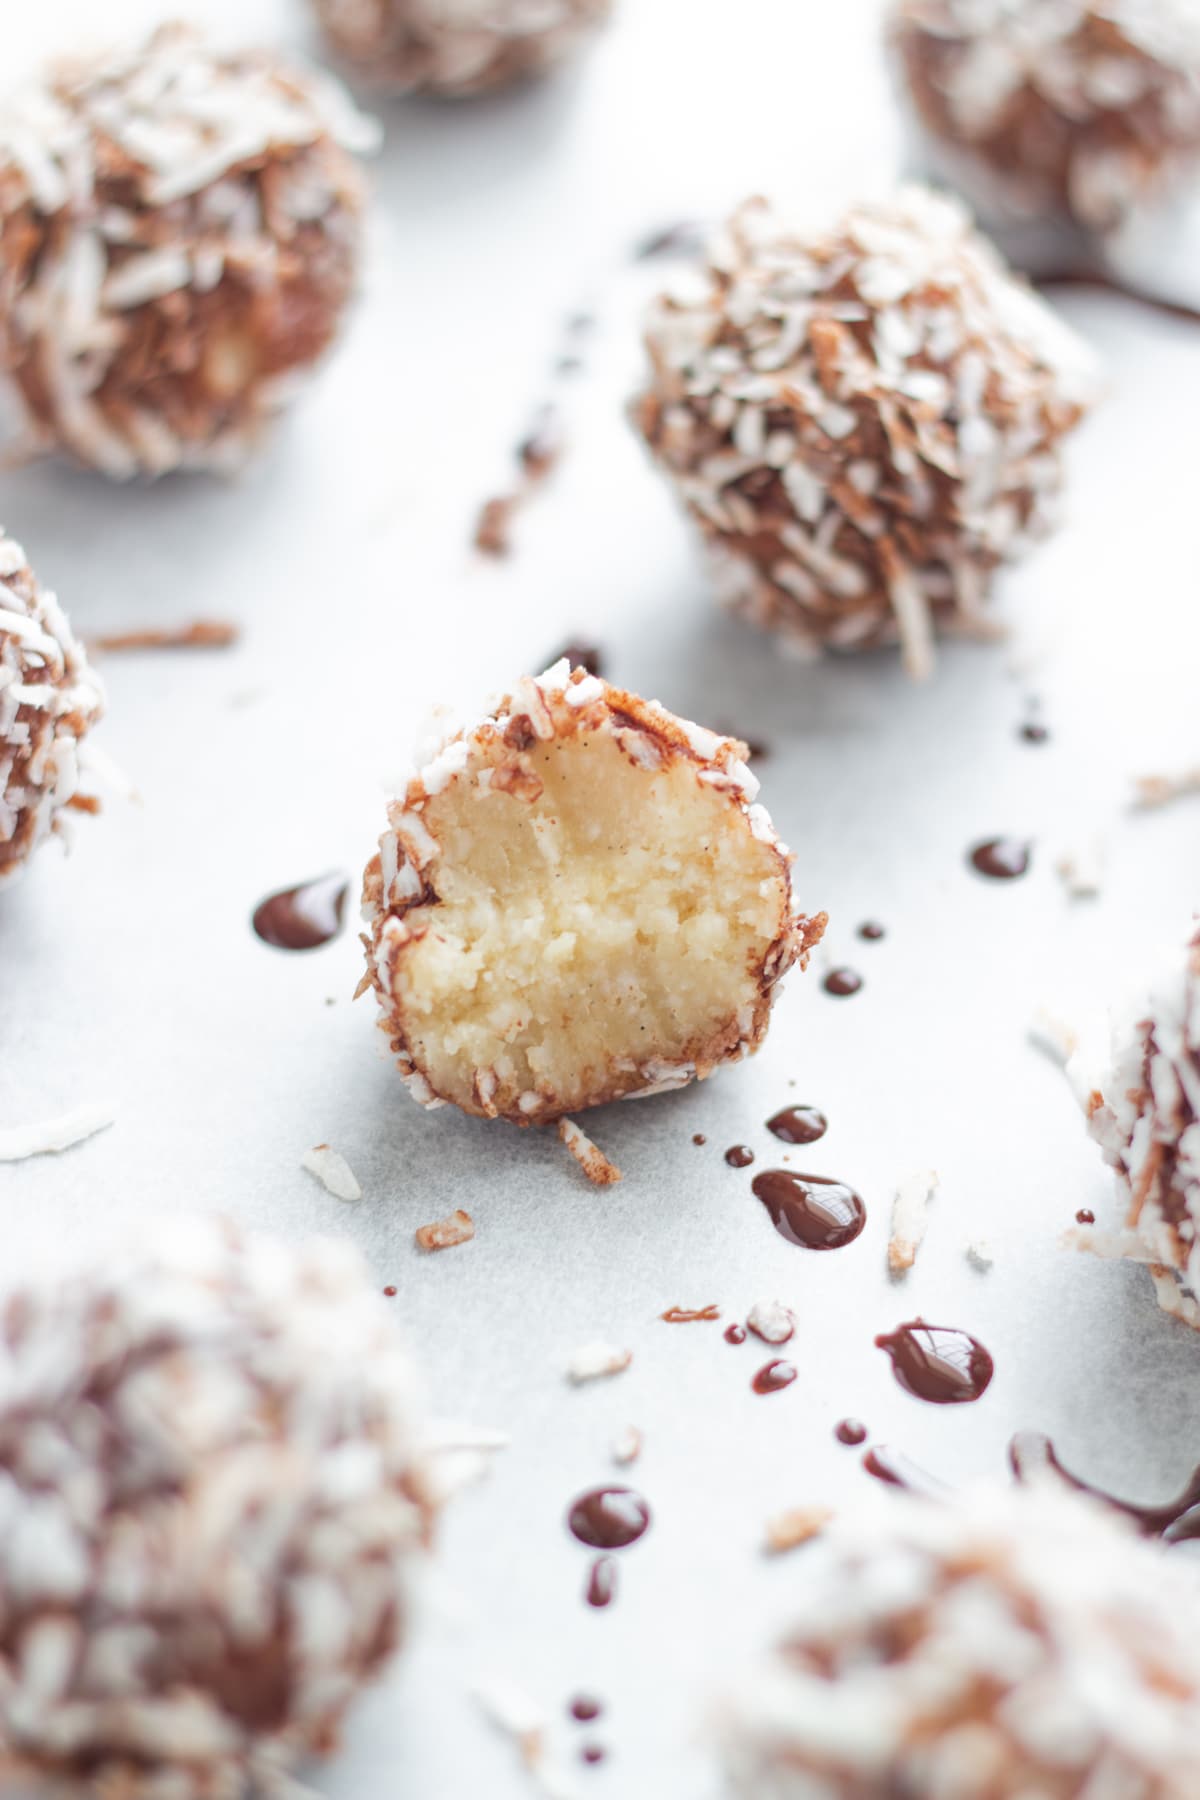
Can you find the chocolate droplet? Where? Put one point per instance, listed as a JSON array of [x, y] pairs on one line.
[[850, 1431], [585, 1708], [798, 1124], [739, 1156], [1001, 859], [842, 982], [303, 917], [608, 1518], [812, 1211], [937, 1363], [735, 1334], [773, 1376], [601, 1589], [872, 931]]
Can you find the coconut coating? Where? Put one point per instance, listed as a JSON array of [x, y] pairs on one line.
[[577, 901], [179, 236], [1002, 1644], [1144, 1112], [1080, 109], [863, 422], [455, 46], [211, 1495], [49, 700]]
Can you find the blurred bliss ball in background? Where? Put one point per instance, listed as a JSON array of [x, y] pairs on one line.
[[455, 46]]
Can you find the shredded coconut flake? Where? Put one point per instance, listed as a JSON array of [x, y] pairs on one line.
[[593, 1361], [332, 1171], [910, 1219], [48, 1136]]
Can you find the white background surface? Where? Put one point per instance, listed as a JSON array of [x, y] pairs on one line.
[[131, 969]]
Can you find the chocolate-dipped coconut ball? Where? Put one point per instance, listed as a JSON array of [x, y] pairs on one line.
[[49, 700], [1144, 1112], [179, 236], [1000, 1646], [864, 423], [455, 46], [577, 901], [1068, 110], [211, 1495]]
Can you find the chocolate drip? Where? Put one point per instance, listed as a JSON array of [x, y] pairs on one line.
[[735, 1334], [798, 1124], [773, 1376], [1000, 859], [1032, 1455], [850, 1431], [585, 1708], [601, 1589], [899, 1471], [842, 982], [872, 931], [739, 1156], [937, 1363], [303, 917], [811, 1211], [689, 1315], [608, 1518]]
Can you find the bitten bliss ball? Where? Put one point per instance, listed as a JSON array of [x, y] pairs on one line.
[[49, 700], [211, 1496], [864, 422], [1144, 1112], [577, 901], [1001, 1644], [1071, 110], [455, 46], [179, 236]]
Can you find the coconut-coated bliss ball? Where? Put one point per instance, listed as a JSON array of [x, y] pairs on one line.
[[1143, 1109], [211, 1497], [179, 237], [1069, 110], [455, 46], [864, 422], [1000, 1646], [49, 701], [576, 901]]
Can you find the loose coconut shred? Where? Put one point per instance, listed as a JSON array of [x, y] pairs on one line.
[[577, 901], [212, 1493], [49, 701], [179, 235], [863, 422], [1144, 1112]]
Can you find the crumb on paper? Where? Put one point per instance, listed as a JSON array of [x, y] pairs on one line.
[[1151, 791], [800, 1524], [201, 634], [627, 1446], [332, 1171], [691, 1315], [493, 527], [1109, 1246], [1052, 1035], [980, 1253], [588, 1155], [46, 1137], [1081, 869], [591, 1362], [910, 1219], [443, 1234], [772, 1321]]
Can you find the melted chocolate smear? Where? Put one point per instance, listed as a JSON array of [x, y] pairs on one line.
[[850, 1431], [593, 1753], [898, 1470], [739, 1156], [686, 237], [735, 1334], [1108, 284], [842, 982], [584, 1708], [798, 1124], [608, 1518], [601, 1589], [304, 917], [1033, 733], [811, 1211], [1031, 1455], [698, 1137], [1001, 859], [773, 1376], [872, 930], [689, 1315], [937, 1363], [1085, 1216]]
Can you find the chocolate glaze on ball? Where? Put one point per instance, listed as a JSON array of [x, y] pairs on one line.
[[179, 236], [49, 700], [212, 1492], [864, 422]]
